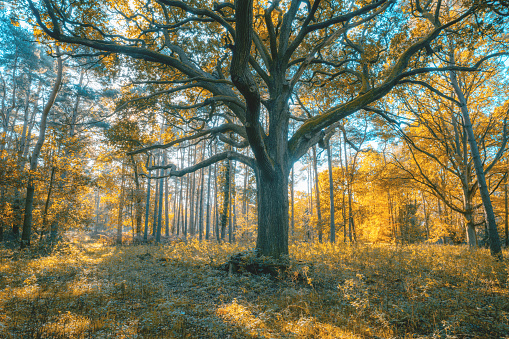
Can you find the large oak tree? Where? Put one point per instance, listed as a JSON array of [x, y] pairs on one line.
[[250, 60]]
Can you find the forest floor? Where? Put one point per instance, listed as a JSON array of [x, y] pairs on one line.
[[89, 289]]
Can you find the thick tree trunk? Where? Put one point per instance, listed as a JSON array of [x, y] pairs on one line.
[[272, 214]]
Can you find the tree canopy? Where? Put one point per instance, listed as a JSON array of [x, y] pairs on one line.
[[242, 71]]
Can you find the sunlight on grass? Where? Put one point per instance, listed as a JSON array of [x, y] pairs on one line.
[[88, 289]]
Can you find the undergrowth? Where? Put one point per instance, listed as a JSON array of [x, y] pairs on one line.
[[86, 289]]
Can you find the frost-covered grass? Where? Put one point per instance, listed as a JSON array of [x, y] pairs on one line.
[[86, 289]]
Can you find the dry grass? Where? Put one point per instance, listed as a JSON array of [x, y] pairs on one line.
[[86, 289]]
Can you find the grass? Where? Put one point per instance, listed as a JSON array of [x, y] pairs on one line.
[[87, 289]]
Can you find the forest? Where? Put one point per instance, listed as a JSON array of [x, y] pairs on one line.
[[254, 169]]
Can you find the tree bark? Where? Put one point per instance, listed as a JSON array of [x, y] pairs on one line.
[[155, 213], [317, 195], [292, 186], [207, 226], [506, 212], [147, 209], [272, 214], [166, 204], [494, 239], [160, 211], [200, 220], [29, 202], [226, 200], [331, 195], [138, 198], [120, 207]]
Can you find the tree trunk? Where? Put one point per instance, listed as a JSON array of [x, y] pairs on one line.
[[494, 239], [192, 180], [166, 204], [317, 195], [293, 200], [272, 214], [331, 195], [207, 226], [48, 199], [120, 208], [147, 209], [179, 209], [160, 210], [156, 204], [138, 198], [200, 220], [226, 200], [97, 201], [349, 191], [216, 207], [426, 216], [29, 202], [506, 212]]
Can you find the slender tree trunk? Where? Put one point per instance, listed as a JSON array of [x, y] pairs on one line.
[[186, 206], [233, 200], [29, 202], [166, 204], [207, 226], [155, 213], [426, 216], [192, 181], [147, 209], [495, 247], [97, 201], [226, 200], [160, 211], [174, 198], [138, 198], [348, 189], [200, 221], [120, 208], [292, 186], [506, 212], [317, 190], [216, 204], [331, 196], [179, 220], [48, 199]]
